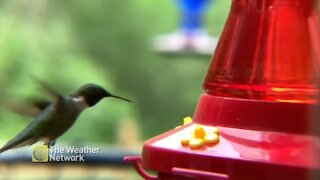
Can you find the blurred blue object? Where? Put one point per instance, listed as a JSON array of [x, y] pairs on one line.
[[191, 35], [193, 14]]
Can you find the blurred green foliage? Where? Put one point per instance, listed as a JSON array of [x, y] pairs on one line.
[[72, 42]]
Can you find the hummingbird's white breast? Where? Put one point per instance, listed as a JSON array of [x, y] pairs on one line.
[[80, 103]]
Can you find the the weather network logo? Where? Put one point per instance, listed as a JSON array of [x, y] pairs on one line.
[[40, 153], [43, 153]]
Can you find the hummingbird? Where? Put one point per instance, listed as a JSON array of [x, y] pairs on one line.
[[56, 117]]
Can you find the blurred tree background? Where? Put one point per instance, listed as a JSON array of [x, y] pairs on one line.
[[72, 42]]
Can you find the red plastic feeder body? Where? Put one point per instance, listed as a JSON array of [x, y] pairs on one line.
[[261, 92]]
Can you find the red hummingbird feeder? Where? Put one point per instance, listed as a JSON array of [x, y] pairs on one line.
[[261, 94]]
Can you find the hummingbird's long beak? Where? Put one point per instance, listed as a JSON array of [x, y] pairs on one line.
[[121, 98]]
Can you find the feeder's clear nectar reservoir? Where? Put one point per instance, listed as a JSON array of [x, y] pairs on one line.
[[269, 51]]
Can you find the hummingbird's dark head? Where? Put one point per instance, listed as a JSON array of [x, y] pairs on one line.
[[93, 93]]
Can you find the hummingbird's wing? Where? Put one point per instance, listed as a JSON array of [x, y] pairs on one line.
[[30, 107], [48, 89], [41, 104]]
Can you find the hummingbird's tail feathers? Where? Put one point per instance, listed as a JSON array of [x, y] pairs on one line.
[[26, 143], [16, 143], [48, 88], [3, 149]]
